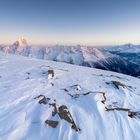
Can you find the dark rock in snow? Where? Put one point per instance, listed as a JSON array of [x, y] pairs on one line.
[[52, 123]]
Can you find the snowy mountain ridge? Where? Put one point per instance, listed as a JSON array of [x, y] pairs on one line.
[[78, 55], [46, 100], [129, 48]]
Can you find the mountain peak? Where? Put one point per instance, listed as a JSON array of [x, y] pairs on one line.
[[21, 42]]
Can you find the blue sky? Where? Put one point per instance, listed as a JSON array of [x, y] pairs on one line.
[[89, 22]]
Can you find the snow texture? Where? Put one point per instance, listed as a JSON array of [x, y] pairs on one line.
[[87, 93]]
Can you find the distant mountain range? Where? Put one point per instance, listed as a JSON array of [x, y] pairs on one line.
[[106, 59], [128, 52], [129, 48]]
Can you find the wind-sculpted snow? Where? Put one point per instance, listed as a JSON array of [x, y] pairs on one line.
[[46, 100], [78, 55]]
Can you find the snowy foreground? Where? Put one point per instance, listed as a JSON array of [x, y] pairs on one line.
[[45, 100]]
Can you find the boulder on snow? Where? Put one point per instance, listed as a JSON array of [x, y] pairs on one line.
[[117, 84], [51, 72], [66, 115], [43, 100], [54, 112], [132, 114], [52, 123]]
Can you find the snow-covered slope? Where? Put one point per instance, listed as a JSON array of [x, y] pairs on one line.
[[46, 100], [78, 55]]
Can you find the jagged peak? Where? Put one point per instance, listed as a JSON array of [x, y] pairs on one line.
[[21, 42]]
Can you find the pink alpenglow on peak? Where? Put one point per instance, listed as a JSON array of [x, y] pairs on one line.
[[21, 42]]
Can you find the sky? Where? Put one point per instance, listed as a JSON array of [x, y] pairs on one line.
[[87, 22]]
